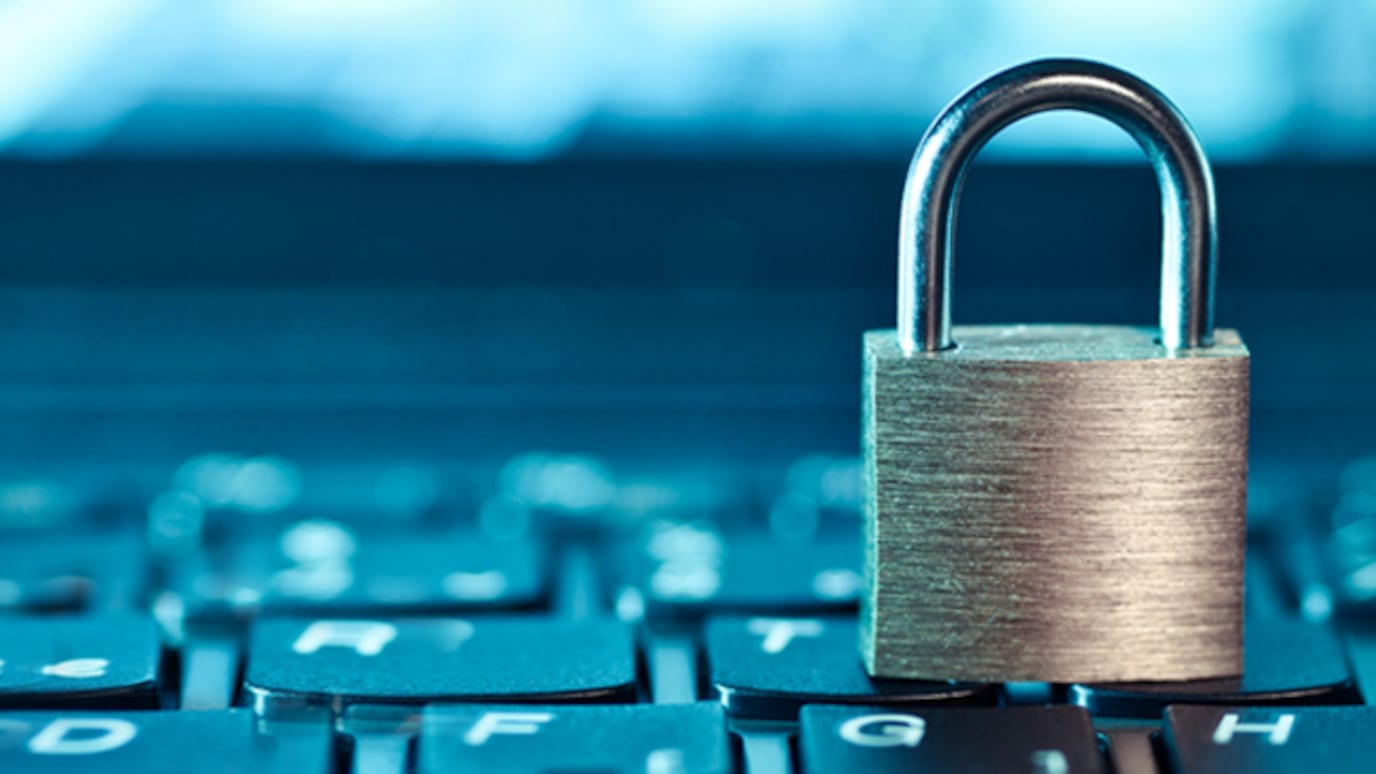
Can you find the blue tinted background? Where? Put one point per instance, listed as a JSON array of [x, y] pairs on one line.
[[294, 227], [530, 79]]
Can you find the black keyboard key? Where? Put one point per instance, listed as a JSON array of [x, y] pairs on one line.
[[635, 739], [46, 573], [1260, 740], [321, 568], [161, 742], [686, 570], [108, 661], [296, 663], [768, 668], [884, 739], [1287, 662]]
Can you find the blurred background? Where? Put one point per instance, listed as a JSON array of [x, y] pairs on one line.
[[641, 239], [521, 80]]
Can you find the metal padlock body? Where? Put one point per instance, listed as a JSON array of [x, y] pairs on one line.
[[1055, 503]]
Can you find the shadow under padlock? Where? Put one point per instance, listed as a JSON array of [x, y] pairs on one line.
[[1055, 503]]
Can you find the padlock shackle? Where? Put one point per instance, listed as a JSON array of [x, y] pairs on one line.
[[1189, 241]]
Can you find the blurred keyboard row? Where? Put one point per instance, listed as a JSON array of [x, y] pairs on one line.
[[262, 532], [323, 567], [214, 494]]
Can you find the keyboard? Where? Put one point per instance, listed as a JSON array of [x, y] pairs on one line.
[[556, 612], [347, 527]]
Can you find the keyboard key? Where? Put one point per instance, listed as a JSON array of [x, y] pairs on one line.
[[46, 573], [1256, 740], [33, 505], [1287, 662], [320, 568], [562, 495], [408, 575], [183, 742], [635, 739], [108, 661], [221, 496], [685, 570], [768, 668], [885, 739], [296, 663]]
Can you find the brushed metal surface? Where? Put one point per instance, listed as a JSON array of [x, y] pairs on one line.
[[1059, 503], [927, 225]]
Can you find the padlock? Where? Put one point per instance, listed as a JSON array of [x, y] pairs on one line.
[[1055, 503]]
